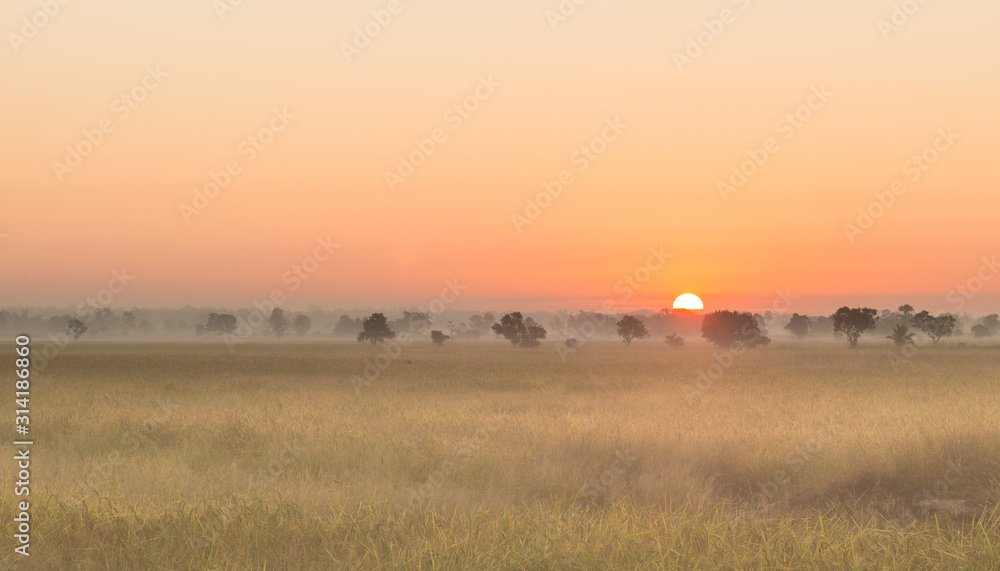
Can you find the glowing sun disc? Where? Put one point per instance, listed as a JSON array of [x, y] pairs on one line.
[[688, 301]]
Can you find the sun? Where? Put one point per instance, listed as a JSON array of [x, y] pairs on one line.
[[688, 301]]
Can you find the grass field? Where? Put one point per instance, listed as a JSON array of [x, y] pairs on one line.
[[479, 456]]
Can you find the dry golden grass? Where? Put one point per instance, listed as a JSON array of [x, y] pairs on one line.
[[479, 455]]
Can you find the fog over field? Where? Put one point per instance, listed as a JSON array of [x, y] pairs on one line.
[[516, 285]]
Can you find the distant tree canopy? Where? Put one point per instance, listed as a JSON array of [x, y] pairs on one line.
[[519, 331], [347, 327], [438, 337], [481, 324], [728, 328], [375, 329], [220, 324], [76, 328], [674, 340], [935, 327], [799, 326], [988, 328], [906, 310], [128, 322], [302, 324], [277, 323], [854, 322], [631, 327]]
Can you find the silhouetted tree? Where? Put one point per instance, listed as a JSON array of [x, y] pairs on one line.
[[278, 323], [76, 328], [220, 323], [935, 327], [520, 332], [302, 324], [980, 331], [439, 337], [854, 322], [906, 310], [901, 335], [375, 329], [674, 340], [799, 326], [725, 328], [631, 327]]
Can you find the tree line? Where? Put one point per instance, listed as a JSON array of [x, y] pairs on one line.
[[723, 328]]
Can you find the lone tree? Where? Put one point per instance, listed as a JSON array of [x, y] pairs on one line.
[[728, 328], [631, 327], [853, 322], [906, 310], [278, 323], [220, 323], [519, 331], [799, 326], [935, 327], [76, 328], [375, 329], [302, 324], [901, 335], [675, 340], [439, 337]]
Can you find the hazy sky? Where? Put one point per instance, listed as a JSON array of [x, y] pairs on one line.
[[676, 94]]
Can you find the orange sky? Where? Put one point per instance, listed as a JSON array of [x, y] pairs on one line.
[[536, 89]]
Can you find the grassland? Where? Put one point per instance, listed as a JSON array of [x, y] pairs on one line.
[[479, 455]]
